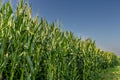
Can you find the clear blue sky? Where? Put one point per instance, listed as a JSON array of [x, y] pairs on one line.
[[97, 19]]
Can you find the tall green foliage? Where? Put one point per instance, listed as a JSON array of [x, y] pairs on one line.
[[33, 49]]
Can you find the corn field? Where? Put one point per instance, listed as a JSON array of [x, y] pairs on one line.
[[33, 49]]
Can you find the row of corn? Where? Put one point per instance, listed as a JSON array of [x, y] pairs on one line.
[[33, 49]]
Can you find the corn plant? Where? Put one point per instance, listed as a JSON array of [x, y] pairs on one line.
[[33, 49]]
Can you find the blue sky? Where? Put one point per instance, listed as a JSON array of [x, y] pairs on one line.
[[97, 19]]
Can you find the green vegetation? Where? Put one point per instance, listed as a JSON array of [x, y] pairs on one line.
[[33, 49], [111, 74]]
